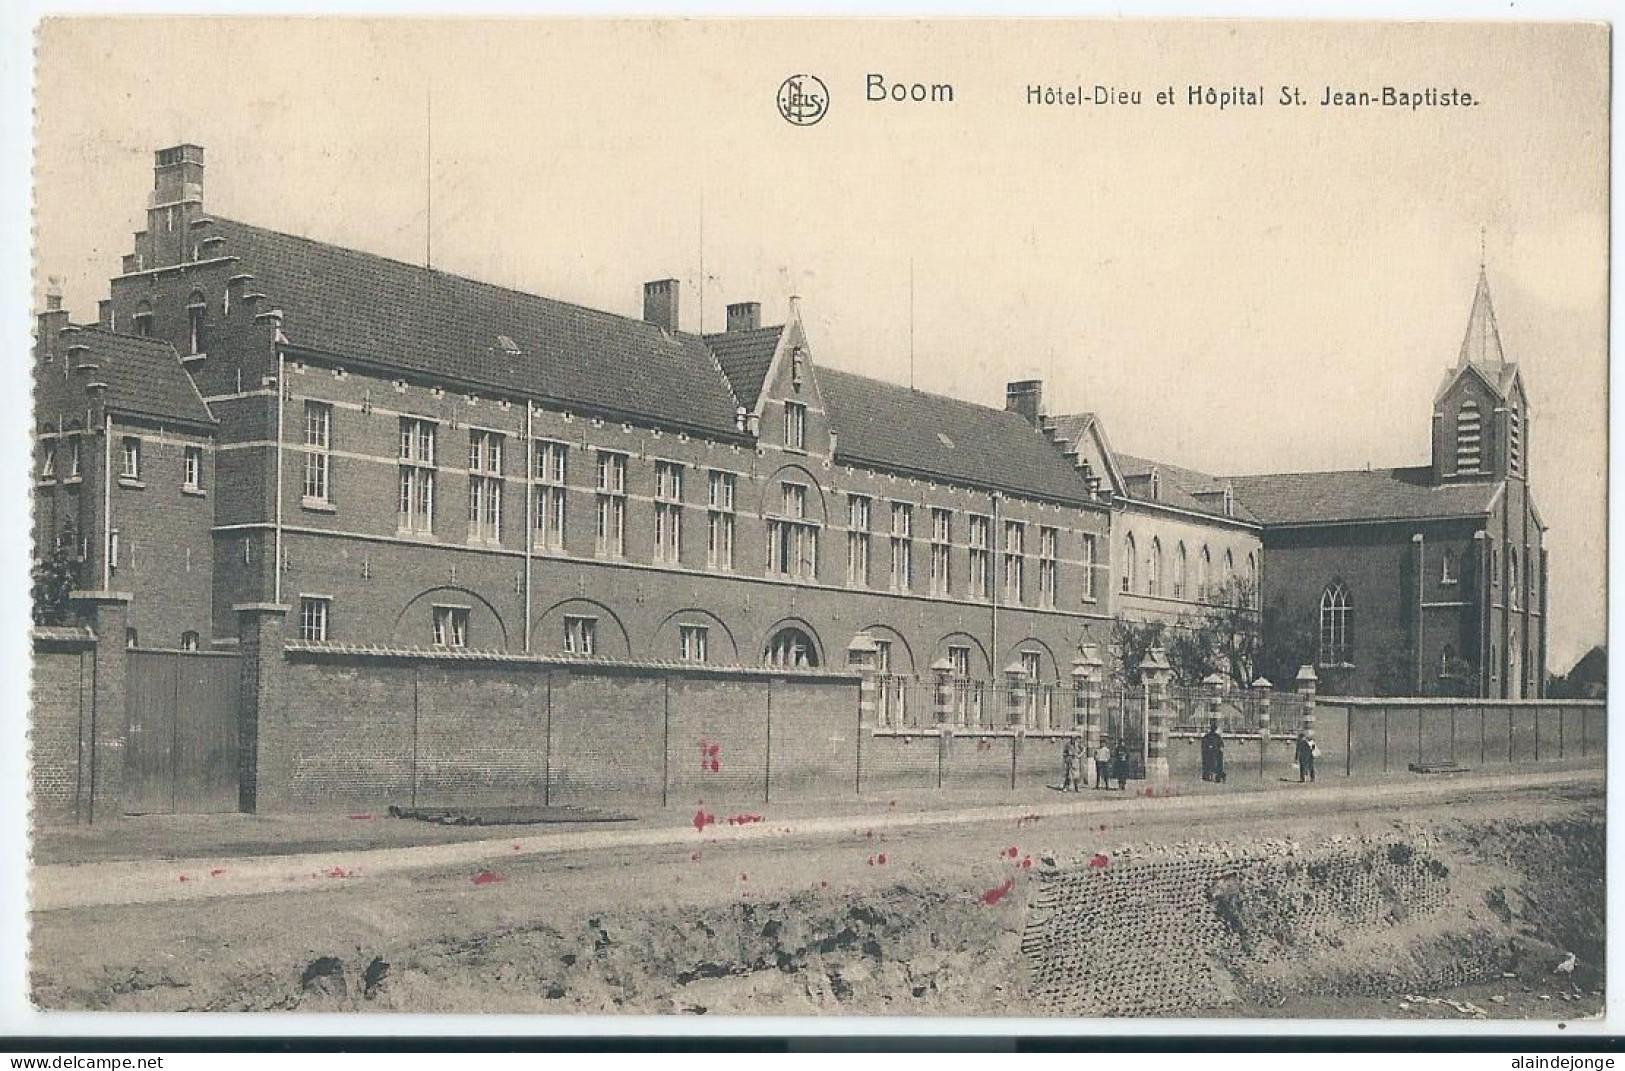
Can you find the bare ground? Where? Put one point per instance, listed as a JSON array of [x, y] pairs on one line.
[[925, 921]]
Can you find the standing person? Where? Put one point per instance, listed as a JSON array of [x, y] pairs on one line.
[[1069, 765], [1120, 765], [1306, 757], [1103, 765], [1212, 753]]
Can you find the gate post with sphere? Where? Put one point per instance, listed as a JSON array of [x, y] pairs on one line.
[[1154, 671]]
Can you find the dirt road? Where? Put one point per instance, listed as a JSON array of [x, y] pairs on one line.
[[868, 916]]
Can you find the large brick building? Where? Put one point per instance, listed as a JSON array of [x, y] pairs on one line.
[[405, 458]]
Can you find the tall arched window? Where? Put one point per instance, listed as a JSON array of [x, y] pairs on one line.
[[1469, 437], [1181, 572], [196, 306], [1336, 635], [1250, 592], [1447, 567], [1153, 577], [1128, 562], [1229, 573], [1204, 575], [1513, 590]]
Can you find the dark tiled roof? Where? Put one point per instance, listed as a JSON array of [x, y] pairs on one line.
[[369, 308], [144, 376], [1180, 487], [745, 357], [1361, 495], [892, 427], [1072, 426]]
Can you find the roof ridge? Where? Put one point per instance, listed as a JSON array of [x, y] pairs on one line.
[[433, 271], [826, 369]]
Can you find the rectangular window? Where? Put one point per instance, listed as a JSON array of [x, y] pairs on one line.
[[902, 546], [795, 425], [313, 618], [131, 453], [611, 539], [942, 527], [1015, 539], [1087, 572], [719, 542], [580, 635], [1047, 571], [417, 469], [857, 540], [451, 626], [695, 642], [485, 486], [981, 557], [318, 445], [192, 468], [668, 512], [197, 341], [792, 542], [552, 462]]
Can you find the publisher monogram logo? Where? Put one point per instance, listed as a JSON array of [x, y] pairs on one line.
[[803, 99]]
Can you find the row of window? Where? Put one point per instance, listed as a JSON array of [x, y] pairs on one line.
[[449, 628], [129, 461], [1178, 585], [791, 549], [1518, 586]]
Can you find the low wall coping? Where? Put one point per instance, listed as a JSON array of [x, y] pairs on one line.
[[1460, 704], [73, 635], [89, 595], [313, 650]]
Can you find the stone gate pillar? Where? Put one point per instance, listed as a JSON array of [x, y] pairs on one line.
[[1264, 689], [1308, 684], [262, 756], [1015, 691], [1154, 671], [1086, 669], [108, 615], [942, 672], [860, 658]]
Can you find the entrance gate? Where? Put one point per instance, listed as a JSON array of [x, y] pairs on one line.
[[180, 753], [1125, 721]]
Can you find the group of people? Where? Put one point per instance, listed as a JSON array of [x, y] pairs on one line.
[[1111, 764], [1112, 760]]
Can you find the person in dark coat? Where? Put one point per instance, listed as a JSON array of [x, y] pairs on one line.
[[1120, 765], [1212, 754], [1306, 757]]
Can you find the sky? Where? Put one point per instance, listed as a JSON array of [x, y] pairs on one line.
[[1257, 289]]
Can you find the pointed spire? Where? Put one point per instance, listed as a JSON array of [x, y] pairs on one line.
[[1482, 344]]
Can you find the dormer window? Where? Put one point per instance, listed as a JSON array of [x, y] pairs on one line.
[[196, 307], [1229, 502], [509, 346], [1469, 437], [1156, 485]]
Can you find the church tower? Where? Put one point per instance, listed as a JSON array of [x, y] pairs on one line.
[[1481, 413]]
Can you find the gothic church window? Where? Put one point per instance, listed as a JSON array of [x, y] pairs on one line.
[[1336, 634]]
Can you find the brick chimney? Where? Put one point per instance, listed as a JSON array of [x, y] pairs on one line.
[[660, 303], [52, 320], [744, 316], [1027, 398], [175, 201]]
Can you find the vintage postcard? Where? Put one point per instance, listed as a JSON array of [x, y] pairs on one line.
[[1074, 520]]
